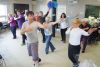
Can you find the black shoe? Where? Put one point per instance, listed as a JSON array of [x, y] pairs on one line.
[[14, 37], [83, 51], [53, 50], [39, 60], [47, 52]]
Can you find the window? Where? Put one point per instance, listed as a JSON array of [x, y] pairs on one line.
[[3, 13]]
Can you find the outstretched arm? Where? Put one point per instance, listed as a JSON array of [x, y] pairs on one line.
[[53, 23], [69, 29], [88, 33], [47, 13], [40, 25]]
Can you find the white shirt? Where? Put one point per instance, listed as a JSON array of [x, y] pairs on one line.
[[63, 24], [75, 35]]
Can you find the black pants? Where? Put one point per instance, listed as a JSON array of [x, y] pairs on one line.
[[73, 53], [84, 42], [23, 38], [43, 35], [63, 35], [13, 30]]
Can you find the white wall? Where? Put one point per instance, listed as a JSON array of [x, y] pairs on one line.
[[42, 6], [79, 9], [72, 11], [61, 8]]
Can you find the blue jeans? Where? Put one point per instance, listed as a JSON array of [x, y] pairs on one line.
[[48, 43]]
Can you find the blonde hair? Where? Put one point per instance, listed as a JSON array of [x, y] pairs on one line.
[[76, 21], [48, 19]]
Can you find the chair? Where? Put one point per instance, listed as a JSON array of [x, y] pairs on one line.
[[3, 25], [2, 61]]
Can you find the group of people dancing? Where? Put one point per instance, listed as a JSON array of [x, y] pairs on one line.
[[78, 32]]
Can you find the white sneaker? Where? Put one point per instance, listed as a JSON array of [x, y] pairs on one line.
[[36, 64]]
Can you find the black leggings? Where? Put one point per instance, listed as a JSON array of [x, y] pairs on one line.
[[73, 53], [63, 35], [43, 35], [23, 38], [84, 42]]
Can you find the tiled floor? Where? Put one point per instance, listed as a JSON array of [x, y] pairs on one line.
[[16, 55]]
